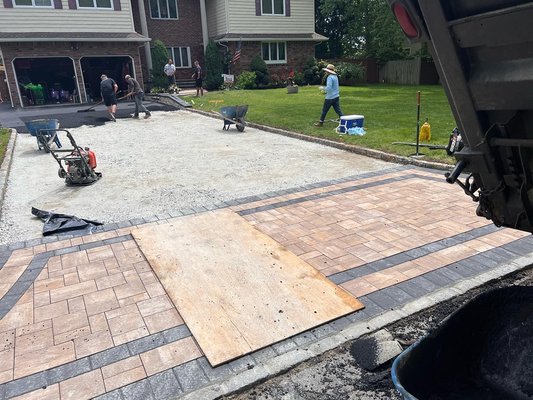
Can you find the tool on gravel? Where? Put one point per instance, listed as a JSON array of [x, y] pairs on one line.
[[92, 107], [100, 102], [234, 115], [77, 166]]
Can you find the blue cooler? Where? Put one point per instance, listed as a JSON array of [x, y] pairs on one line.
[[350, 121]]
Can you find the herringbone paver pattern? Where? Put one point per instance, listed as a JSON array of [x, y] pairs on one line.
[[86, 316]]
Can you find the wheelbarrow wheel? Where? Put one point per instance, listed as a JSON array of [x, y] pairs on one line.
[[43, 143], [241, 126]]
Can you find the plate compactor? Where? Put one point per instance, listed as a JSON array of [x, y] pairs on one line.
[[77, 166]]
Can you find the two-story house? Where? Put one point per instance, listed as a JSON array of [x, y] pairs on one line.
[[54, 51], [281, 31]]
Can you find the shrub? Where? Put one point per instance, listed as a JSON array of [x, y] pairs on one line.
[[258, 65], [298, 78], [213, 67], [276, 81], [246, 80], [350, 72], [159, 59], [312, 73], [157, 89]]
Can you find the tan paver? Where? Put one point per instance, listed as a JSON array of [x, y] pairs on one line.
[[85, 386], [123, 373], [36, 361], [47, 393], [170, 355]]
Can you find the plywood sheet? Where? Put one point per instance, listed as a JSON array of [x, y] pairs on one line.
[[237, 289]]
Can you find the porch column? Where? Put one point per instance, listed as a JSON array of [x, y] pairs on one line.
[[144, 31], [203, 14]]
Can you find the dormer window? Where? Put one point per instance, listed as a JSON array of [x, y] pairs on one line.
[[95, 4], [273, 7], [33, 3]]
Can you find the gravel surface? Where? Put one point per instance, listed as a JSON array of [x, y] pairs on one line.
[[172, 161]]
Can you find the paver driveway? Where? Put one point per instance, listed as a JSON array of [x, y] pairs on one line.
[[86, 317]]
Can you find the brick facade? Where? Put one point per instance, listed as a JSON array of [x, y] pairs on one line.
[[186, 31], [66, 49], [298, 53]]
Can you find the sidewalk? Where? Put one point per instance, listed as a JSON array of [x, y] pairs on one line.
[[86, 317]]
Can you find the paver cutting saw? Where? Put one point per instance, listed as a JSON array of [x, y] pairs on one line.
[[77, 166]]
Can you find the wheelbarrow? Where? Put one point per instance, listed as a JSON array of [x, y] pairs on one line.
[[484, 350], [44, 131], [234, 115]]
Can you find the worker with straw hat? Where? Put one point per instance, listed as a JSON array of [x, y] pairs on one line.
[[332, 94]]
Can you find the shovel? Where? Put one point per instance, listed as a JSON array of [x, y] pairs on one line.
[[91, 108]]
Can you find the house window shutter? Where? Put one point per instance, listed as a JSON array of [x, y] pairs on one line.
[[116, 5], [8, 4], [72, 4], [58, 4], [257, 7], [287, 8]]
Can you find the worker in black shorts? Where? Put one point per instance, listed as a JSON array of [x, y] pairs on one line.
[[108, 89], [197, 76]]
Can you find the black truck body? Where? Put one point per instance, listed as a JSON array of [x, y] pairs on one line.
[[483, 52]]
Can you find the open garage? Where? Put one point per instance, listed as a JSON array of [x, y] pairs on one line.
[[46, 80], [115, 67]]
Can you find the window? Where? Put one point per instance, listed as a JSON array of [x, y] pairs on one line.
[[33, 3], [181, 56], [274, 52], [95, 4], [273, 7], [163, 9]]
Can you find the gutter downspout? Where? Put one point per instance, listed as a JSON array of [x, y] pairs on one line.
[[227, 51], [144, 31], [205, 33]]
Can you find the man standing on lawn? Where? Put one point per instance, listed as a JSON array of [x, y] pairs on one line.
[[134, 89], [332, 94], [197, 76]]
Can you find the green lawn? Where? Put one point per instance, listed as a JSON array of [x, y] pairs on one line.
[[4, 140], [390, 113]]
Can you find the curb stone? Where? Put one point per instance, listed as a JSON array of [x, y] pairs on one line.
[[380, 155], [6, 166]]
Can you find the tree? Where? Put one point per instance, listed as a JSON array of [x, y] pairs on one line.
[[159, 59], [388, 40], [332, 18], [358, 28], [214, 67]]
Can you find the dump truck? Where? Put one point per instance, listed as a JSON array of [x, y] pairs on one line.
[[483, 53]]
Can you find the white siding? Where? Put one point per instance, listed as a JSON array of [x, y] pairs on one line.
[[216, 17], [22, 19], [242, 18]]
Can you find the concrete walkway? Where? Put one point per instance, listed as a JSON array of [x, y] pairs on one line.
[[85, 316]]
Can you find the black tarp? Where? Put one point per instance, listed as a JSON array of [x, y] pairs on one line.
[[56, 224]]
